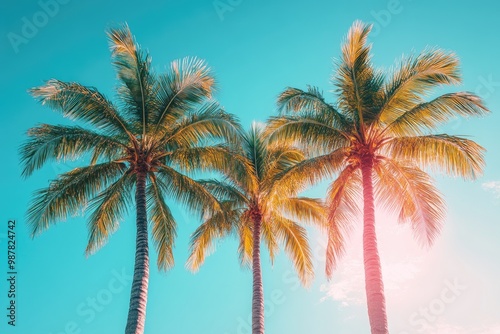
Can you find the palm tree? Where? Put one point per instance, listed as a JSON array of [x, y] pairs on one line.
[[258, 204], [378, 139], [160, 120]]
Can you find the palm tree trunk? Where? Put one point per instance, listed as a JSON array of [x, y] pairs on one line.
[[258, 289], [139, 293], [373, 273]]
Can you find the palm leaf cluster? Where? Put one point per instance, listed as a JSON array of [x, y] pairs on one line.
[[263, 187]]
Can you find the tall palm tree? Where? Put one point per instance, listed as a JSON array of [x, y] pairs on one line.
[[258, 204], [378, 139], [137, 143]]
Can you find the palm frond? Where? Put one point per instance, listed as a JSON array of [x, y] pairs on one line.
[[133, 67], [108, 209], [307, 173], [78, 102], [416, 77], [294, 238], [163, 225], [255, 149], [310, 101], [454, 155], [219, 158], [69, 193], [225, 190], [428, 115], [187, 83], [46, 142], [269, 238], [312, 131], [305, 210], [245, 247], [410, 192], [358, 83], [187, 192], [209, 122], [342, 199], [217, 226], [279, 159]]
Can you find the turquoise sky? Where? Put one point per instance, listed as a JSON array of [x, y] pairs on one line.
[[256, 49]]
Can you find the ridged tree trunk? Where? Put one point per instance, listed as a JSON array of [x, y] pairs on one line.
[[373, 274], [139, 294], [258, 289]]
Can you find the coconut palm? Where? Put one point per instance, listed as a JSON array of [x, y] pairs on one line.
[[138, 143], [378, 138], [258, 205]]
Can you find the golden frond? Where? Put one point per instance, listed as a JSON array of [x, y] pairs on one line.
[[269, 238], [294, 237], [343, 198], [414, 79], [305, 210], [307, 173], [410, 192], [217, 226], [429, 115], [245, 247], [454, 155], [313, 132]]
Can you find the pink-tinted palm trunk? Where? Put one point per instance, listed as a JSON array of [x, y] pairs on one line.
[[258, 289], [373, 273], [139, 293]]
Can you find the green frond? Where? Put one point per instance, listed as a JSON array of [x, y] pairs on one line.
[[454, 155], [310, 102], [410, 192], [357, 82], [226, 191], [209, 122], [312, 131], [187, 83], [138, 91], [47, 142], [108, 209], [187, 192], [429, 115], [342, 199], [220, 158], [78, 102], [414, 79], [69, 193], [255, 149], [163, 225], [294, 238]]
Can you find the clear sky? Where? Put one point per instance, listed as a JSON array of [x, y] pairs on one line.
[[256, 49]]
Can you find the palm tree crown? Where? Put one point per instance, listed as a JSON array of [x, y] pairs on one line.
[[140, 142], [259, 200], [378, 139]]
